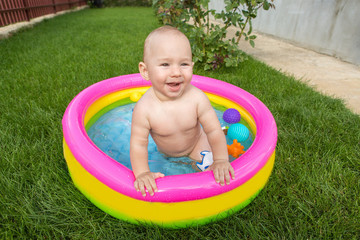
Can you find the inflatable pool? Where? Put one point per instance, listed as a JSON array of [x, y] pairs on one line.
[[182, 200]]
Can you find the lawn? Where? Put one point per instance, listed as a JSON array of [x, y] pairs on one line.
[[313, 192]]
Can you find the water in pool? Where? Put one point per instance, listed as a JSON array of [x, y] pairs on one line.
[[111, 133]]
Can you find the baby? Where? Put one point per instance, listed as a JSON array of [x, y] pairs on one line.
[[172, 111]]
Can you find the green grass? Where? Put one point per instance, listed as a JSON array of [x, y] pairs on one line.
[[313, 192]]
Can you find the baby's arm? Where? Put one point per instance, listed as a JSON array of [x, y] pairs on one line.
[[140, 128], [221, 167]]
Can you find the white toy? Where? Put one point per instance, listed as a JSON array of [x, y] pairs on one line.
[[207, 160]]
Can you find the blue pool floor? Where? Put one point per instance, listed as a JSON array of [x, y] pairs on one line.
[[111, 133]]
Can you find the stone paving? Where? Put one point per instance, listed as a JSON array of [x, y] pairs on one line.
[[326, 74]]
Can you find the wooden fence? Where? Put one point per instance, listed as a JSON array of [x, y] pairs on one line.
[[13, 11]]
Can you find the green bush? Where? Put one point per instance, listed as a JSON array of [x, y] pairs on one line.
[[209, 42]]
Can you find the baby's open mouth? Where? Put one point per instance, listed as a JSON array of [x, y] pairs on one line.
[[174, 86]]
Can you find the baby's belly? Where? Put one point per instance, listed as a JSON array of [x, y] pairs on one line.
[[176, 146]]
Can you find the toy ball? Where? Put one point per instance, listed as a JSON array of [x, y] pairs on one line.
[[135, 96], [231, 116], [239, 132]]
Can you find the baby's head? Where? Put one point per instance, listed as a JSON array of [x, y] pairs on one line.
[[167, 62], [165, 33]]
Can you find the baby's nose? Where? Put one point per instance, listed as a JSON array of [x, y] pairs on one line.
[[175, 71]]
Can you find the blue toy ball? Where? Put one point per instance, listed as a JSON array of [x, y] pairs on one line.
[[239, 132], [231, 116]]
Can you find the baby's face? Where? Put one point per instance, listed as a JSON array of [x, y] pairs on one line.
[[169, 65]]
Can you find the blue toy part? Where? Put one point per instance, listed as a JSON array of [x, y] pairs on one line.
[[239, 132], [207, 160], [231, 116]]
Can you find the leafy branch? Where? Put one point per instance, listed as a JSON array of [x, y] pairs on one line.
[[209, 44]]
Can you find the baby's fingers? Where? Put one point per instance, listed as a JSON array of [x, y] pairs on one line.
[[216, 175], [221, 176], [226, 177], [136, 185], [229, 172], [158, 175], [232, 172], [140, 186], [151, 187]]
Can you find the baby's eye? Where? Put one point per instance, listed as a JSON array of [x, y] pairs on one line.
[[164, 64], [185, 64]]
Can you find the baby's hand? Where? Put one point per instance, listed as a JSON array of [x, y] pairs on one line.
[[222, 169], [147, 180]]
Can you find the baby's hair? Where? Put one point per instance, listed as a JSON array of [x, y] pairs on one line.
[[161, 30]]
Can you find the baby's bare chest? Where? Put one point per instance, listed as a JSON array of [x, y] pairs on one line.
[[173, 120]]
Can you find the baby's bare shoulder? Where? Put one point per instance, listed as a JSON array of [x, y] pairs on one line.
[[143, 106], [197, 95], [195, 92]]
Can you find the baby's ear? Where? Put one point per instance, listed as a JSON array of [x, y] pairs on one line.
[[143, 71]]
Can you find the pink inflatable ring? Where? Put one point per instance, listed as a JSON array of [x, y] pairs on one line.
[[182, 200]]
